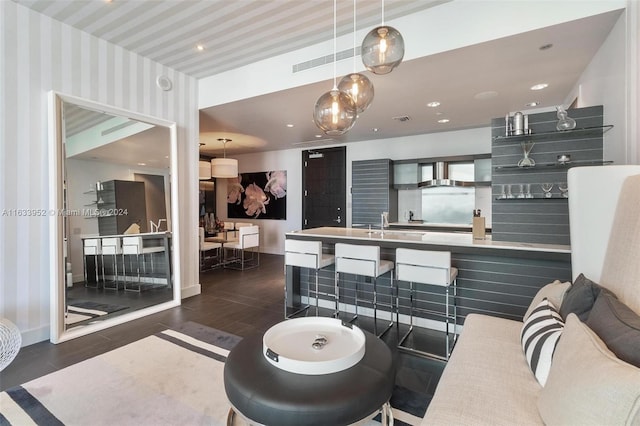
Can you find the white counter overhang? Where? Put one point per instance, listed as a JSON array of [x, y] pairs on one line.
[[449, 239]]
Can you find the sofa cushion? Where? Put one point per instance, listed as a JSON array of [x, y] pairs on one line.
[[587, 384], [539, 337], [618, 327], [487, 379], [580, 298], [554, 291]]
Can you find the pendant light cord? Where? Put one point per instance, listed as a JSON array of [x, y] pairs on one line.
[[354, 36], [335, 78], [383, 13]]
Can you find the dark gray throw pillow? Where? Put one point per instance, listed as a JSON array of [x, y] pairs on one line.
[[618, 327], [580, 297]]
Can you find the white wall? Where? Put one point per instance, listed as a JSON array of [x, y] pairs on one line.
[[271, 231], [603, 83], [39, 54], [462, 142]]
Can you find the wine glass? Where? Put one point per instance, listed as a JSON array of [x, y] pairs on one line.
[[564, 189], [521, 192], [503, 194], [546, 188], [528, 193], [509, 194]]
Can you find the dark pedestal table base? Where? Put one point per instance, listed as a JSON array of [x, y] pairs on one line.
[[267, 395]]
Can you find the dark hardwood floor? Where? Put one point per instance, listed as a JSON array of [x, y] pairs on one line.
[[238, 302]]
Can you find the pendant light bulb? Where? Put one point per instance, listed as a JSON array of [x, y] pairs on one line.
[[360, 88], [382, 49], [335, 113]]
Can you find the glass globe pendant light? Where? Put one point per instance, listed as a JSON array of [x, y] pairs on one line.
[[357, 85], [335, 111], [382, 48]]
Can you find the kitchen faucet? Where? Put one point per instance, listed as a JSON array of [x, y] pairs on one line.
[[384, 221]]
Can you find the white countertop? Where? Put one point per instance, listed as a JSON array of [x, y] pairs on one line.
[[457, 239], [141, 234]]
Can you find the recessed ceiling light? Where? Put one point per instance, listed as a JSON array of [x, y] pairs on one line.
[[443, 120], [433, 104], [375, 130], [200, 47], [318, 136], [546, 46], [166, 156], [289, 125], [142, 164], [439, 113], [490, 94], [539, 86], [532, 104]]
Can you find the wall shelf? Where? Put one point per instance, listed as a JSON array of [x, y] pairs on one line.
[[586, 132], [549, 166], [534, 198]]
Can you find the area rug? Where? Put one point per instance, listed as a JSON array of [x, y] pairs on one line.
[[83, 310], [174, 377]]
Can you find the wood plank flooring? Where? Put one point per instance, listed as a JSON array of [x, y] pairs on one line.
[[238, 302]]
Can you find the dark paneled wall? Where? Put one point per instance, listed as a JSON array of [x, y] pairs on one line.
[[372, 192], [539, 220], [497, 283]]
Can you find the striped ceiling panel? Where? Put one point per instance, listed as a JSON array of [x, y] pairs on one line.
[[234, 32]]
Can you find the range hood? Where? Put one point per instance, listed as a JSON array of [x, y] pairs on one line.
[[441, 171]]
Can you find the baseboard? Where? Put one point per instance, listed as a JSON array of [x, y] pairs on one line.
[[190, 291], [35, 335]]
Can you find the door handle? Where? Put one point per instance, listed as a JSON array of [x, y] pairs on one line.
[[338, 220]]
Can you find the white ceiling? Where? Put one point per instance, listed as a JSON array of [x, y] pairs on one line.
[[233, 32], [508, 66], [241, 32]]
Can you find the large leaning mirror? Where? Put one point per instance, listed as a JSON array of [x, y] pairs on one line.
[[113, 216]]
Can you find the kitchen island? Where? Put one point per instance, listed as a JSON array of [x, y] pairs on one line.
[[154, 255], [494, 277]]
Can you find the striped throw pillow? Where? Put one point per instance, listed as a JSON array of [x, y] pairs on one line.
[[540, 334]]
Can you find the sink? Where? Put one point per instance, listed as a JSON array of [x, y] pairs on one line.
[[313, 345]]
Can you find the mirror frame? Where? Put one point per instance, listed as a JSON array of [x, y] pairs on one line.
[[58, 333]]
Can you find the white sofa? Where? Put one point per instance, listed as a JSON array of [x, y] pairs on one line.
[[488, 381]]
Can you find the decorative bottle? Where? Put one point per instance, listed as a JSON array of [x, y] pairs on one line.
[[564, 121]]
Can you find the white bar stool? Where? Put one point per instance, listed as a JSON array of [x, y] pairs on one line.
[[306, 254], [111, 247], [433, 268], [365, 261], [91, 247], [134, 246]]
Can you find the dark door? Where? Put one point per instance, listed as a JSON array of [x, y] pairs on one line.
[[324, 186]]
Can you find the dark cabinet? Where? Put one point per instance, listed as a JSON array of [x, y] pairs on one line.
[[121, 203], [372, 192]]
